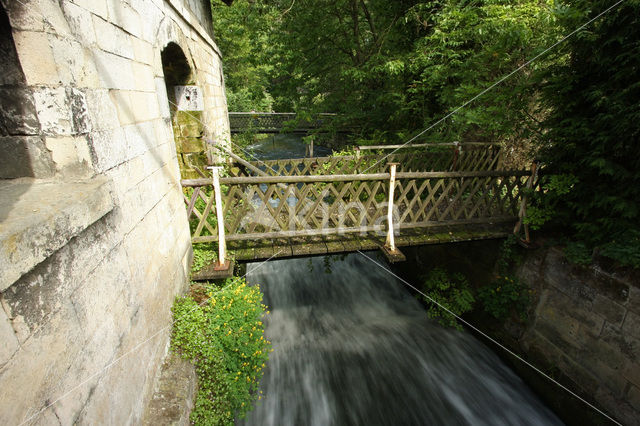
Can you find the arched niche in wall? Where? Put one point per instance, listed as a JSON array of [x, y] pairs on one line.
[[186, 120], [22, 149]]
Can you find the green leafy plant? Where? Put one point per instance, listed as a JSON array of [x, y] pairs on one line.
[[451, 292], [203, 255], [223, 336], [509, 254], [577, 252], [505, 296], [624, 248]]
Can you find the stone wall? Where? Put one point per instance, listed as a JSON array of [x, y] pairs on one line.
[[587, 325], [94, 241]]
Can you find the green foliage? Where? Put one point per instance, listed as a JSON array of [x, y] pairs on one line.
[[242, 33], [465, 48], [451, 292], [223, 337], [509, 254], [203, 255], [389, 68], [505, 296], [577, 252], [592, 97], [544, 203], [625, 248]]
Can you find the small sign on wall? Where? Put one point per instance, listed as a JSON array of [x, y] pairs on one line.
[[189, 98]]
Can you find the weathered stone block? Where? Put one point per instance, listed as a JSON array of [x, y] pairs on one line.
[[122, 101], [102, 111], [597, 351], [63, 151], [11, 71], [611, 378], [98, 7], [80, 21], [174, 394], [109, 148], [41, 218], [190, 145], [582, 282], [631, 324], [114, 71], [192, 130], [145, 106], [162, 99], [561, 307], [44, 290], [79, 110], [39, 367], [195, 160], [112, 39], [36, 58], [54, 112], [633, 396], [69, 58], [124, 16], [143, 51], [609, 310], [632, 373], [143, 75], [18, 114], [8, 338], [25, 19], [139, 138], [633, 303], [25, 156]]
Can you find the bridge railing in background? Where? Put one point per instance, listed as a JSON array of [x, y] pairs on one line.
[[271, 207], [440, 157], [275, 122]]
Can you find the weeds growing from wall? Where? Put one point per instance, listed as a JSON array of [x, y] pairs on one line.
[[223, 336], [450, 291], [505, 296]]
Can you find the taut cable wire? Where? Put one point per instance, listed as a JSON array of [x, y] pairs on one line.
[[539, 55], [492, 340]]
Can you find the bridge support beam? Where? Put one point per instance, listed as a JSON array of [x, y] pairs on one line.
[[390, 250]]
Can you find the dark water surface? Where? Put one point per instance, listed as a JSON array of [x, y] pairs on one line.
[[283, 146], [353, 347]]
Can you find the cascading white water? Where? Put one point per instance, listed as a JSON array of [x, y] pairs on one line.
[[353, 347]]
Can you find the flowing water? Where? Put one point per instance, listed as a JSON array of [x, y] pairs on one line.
[[353, 347], [283, 146]]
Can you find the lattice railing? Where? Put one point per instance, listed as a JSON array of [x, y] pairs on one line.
[[474, 158], [267, 207]]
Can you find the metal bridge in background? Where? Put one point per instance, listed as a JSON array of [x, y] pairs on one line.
[[277, 122]]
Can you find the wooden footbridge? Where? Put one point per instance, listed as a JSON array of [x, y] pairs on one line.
[[297, 207]]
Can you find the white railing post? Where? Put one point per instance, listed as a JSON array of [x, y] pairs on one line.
[[222, 243], [391, 244]]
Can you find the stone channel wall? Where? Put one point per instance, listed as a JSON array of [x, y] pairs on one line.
[[94, 240], [587, 325]]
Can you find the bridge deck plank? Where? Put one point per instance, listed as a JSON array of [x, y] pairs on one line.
[[333, 244]]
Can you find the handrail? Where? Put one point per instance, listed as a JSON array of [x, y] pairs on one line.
[[421, 145]]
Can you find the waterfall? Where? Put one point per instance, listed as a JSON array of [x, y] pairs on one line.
[[353, 347]]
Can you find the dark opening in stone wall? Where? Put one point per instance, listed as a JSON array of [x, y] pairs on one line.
[[188, 128]]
